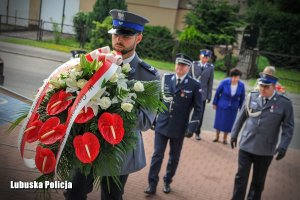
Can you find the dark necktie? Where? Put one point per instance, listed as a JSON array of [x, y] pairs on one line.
[[266, 101], [178, 82]]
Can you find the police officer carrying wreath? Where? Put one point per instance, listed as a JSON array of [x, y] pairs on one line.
[[264, 114], [181, 93], [126, 35], [203, 71]]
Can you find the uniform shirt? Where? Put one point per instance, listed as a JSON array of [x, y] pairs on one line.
[[261, 131]]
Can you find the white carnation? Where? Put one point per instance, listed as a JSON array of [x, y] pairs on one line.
[[104, 103], [138, 87], [127, 107]]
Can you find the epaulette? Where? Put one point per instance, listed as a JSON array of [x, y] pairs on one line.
[[254, 93], [149, 68], [284, 96], [211, 64]]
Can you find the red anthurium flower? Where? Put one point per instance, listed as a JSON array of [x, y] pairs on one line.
[[58, 102], [83, 116], [32, 131], [45, 160], [111, 127], [87, 147], [51, 131]]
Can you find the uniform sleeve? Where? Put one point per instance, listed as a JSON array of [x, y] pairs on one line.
[[287, 127], [197, 103], [218, 93], [239, 122], [145, 119], [210, 83], [242, 99]]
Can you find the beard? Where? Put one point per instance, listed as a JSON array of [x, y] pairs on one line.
[[124, 50]]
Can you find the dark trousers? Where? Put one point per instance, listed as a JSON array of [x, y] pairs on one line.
[[260, 168], [160, 143], [198, 130], [82, 185]]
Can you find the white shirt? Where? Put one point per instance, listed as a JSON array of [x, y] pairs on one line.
[[233, 89], [128, 60], [181, 78]]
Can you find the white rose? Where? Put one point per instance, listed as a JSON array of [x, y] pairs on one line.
[[114, 78], [71, 82], [104, 103], [127, 107], [81, 83], [138, 87], [126, 68]]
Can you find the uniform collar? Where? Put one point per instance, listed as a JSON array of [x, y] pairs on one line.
[[181, 78], [270, 96], [128, 60]]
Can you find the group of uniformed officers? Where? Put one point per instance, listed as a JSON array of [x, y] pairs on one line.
[[185, 94]]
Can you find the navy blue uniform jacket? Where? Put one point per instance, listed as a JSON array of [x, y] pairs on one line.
[[173, 123]]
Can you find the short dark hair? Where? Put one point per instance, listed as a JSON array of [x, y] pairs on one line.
[[235, 72]]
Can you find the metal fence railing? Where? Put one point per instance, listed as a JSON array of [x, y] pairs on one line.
[[31, 28]]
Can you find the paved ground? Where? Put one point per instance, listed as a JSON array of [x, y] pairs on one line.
[[206, 171]]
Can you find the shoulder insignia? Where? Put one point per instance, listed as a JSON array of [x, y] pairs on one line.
[[253, 93], [284, 96], [149, 68]]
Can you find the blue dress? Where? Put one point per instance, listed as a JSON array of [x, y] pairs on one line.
[[227, 105]]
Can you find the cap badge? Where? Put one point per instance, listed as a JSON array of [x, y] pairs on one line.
[[120, 22], [121, 16]]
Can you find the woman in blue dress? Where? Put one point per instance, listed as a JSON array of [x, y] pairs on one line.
[[229, 97]]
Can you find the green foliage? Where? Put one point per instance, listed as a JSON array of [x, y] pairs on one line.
[[279, 31], [102, 7], [212, 22], [157, 43], [82, 24], [220, 64], [99, 35], [56, 31], [259, 12]]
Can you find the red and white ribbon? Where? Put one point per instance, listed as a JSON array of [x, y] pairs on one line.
[[88, 91]]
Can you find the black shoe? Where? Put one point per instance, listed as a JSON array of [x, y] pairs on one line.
[[150, 190], [197, 137], [167, 188], [216, 140]]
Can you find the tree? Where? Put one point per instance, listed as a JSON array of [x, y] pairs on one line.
[[279, 30], [82, 24], [212, 22], [99, 35], [102, 7]]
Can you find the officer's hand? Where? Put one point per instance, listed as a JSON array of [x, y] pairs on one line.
[[233, 142], [188, 134], [280, 153], [208, 100]]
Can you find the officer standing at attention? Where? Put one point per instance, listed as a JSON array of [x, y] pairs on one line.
[[203, 71], [264, 114], [126, 35], [181, 93]]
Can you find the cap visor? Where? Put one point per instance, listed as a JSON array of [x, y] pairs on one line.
[[184, 63], [121, 32], [263, 83]]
